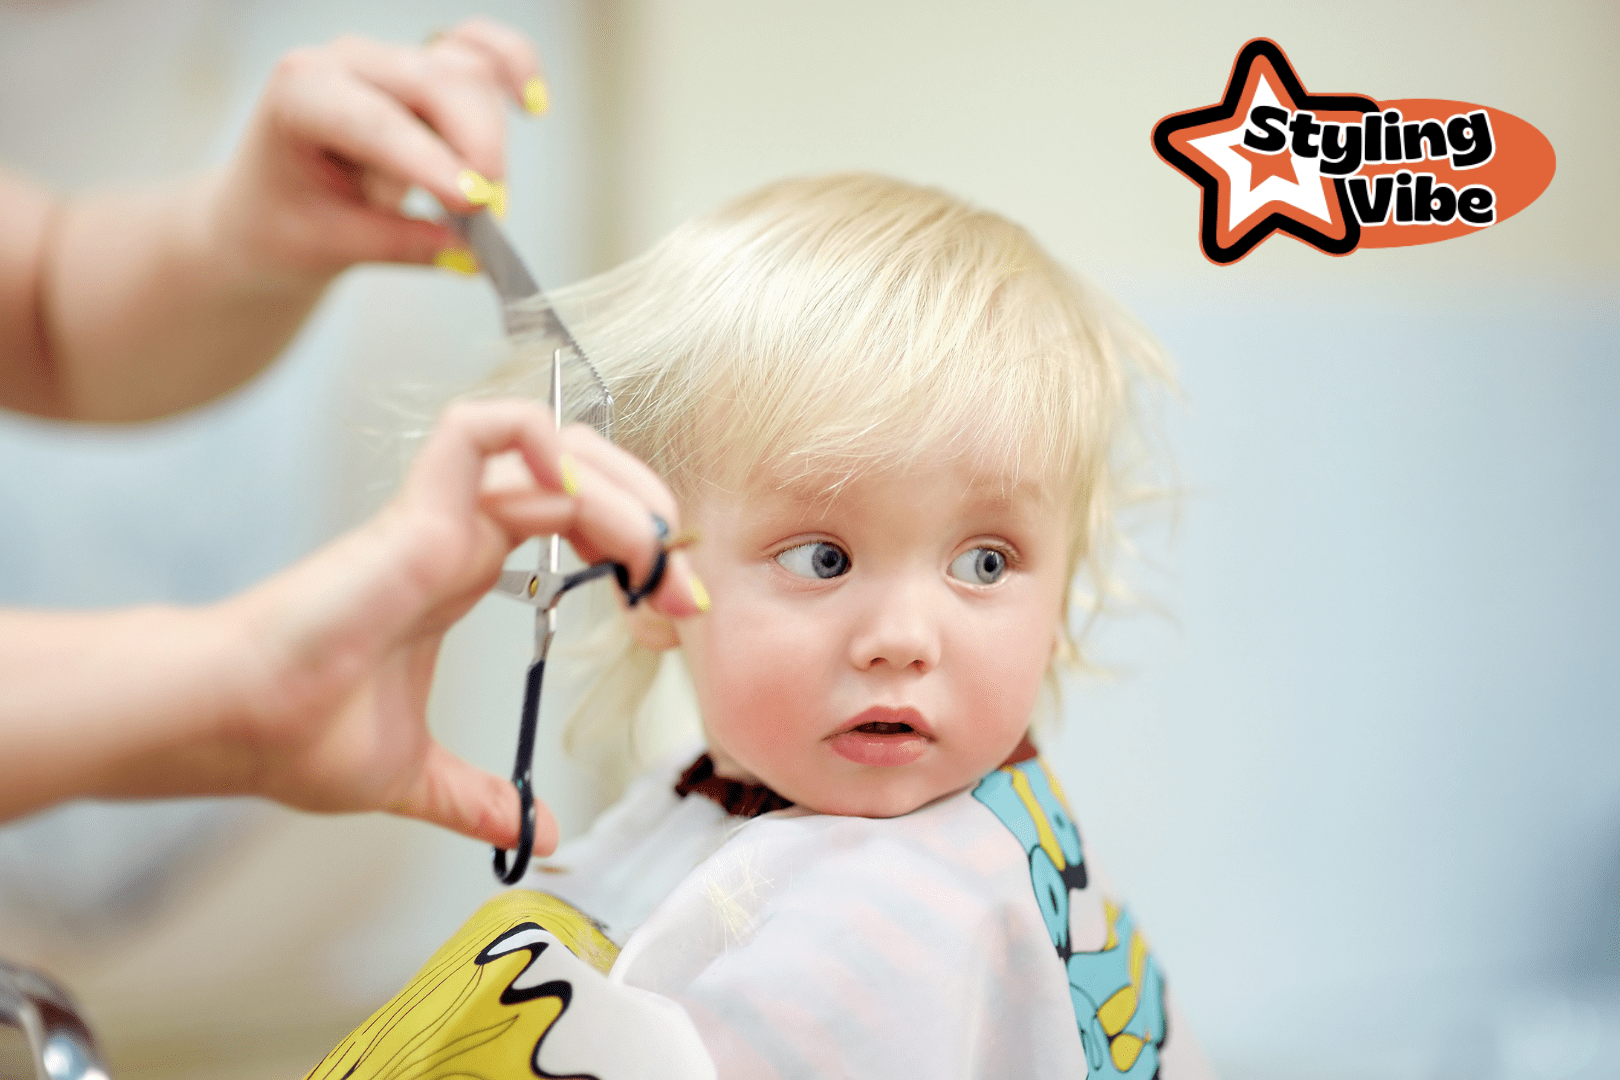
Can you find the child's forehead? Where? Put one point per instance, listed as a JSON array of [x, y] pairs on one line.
[[985, 485]]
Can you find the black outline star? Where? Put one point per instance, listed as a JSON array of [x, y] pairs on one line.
[[1227, 110]]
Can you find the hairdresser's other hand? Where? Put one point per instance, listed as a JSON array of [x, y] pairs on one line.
[[348, 639], [344, 129], [129, 305]]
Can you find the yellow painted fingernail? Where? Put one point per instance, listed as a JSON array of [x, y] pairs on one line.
[[700, 595], [475, 188], [535, 97], [497, 198], [460, 260], [570, 475]]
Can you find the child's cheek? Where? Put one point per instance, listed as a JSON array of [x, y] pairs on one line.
[[1003, 668], [764, 680]]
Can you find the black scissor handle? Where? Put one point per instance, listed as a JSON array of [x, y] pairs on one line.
[[523, 767], [523, 780], [525, 848], [655, 576]]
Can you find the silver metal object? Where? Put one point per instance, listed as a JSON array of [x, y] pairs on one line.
[[542, 641], [42, 1036], [537, 588], [529, 317], [526, 313], [541, 587], [516, 288]]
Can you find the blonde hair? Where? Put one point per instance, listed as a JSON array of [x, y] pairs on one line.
[[821, 328]]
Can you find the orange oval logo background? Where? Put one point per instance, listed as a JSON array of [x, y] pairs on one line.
[[1519, 170]]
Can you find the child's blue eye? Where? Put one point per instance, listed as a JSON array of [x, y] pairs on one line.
[[980, 566], [818, 559]]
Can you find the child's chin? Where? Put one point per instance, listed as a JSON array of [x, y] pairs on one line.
[[875, 801]]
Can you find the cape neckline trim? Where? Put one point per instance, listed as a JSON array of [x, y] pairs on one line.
[[746, 799]]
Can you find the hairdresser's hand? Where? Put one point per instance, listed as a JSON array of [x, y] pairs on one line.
[[344, 129], [348, 639], [123, 306]]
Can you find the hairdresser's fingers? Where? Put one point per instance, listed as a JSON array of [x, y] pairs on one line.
[[509, 54], [318, 97], [382, 190], [370, 234], [531, 512], [599, 518], [451, 466], [623, 468], [610, 521], [523, 514], [451, 793], [681, 593], [526, 513], [456, 89]]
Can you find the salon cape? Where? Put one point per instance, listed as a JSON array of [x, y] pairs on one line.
[[965, 939]]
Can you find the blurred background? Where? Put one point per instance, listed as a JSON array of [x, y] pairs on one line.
[[1355, 763]]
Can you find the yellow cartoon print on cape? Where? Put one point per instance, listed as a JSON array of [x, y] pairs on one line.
[[1117, 991], [479, 1009]]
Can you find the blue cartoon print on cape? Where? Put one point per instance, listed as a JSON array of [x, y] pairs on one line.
[[1117, 991]]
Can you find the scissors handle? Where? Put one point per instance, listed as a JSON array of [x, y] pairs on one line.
[[527, 587], [523, 780]]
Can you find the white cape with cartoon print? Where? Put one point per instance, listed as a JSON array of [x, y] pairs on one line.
[[966, 939]]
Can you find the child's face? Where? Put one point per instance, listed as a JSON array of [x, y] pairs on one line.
[[870, 653]]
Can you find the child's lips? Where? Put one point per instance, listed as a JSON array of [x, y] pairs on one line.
[[883, 736]]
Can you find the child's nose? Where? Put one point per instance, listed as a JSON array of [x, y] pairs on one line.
[[899, 631]]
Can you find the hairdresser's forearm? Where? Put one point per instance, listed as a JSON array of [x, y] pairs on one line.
[[150, 305], [166, 701], [26, 381], [130, 704]]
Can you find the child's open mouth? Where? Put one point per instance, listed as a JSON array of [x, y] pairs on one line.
[[879, 727], [883, 736]]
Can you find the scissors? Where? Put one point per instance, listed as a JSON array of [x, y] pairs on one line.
[[41, 1032], [524, 312]]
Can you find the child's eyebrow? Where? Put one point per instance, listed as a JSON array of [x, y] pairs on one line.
[[806, 500], [1000, 500], [817, 492], [1000, 493]]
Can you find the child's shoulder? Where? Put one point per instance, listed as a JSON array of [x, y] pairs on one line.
[[977, 912], [1010, 828], [905, 946], [951, 848], [980, 853], [952, 874]]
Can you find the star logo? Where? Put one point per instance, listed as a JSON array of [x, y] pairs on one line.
[[1263, 167], [1251, 187]]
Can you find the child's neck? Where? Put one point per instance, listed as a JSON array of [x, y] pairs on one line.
[[726, 767]]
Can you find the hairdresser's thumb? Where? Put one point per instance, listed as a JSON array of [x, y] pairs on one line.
[[470, 801]]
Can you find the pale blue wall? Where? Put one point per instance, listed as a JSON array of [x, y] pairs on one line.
[[1361, 781]]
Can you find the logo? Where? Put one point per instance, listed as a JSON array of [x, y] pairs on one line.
[[1342, 171]]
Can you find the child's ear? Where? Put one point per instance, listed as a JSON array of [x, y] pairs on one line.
[[650, 629], [1063, 650]]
